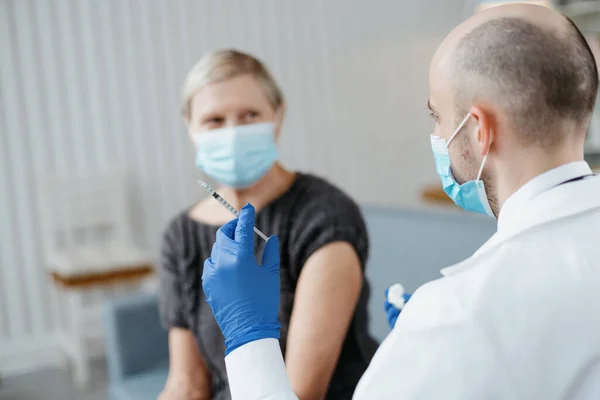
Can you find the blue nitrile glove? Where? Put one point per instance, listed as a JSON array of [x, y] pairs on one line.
[[393, 310], [243, 296]]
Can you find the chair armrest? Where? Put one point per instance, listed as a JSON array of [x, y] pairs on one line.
[[135, 339]]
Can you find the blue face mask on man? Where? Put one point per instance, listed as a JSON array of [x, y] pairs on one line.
[[237, 156], [471, 195]]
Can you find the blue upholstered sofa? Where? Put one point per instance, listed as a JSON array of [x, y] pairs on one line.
[[137, 351], [407, 246]]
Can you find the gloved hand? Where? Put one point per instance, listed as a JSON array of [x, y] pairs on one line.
[[395, 300], [243, 296]]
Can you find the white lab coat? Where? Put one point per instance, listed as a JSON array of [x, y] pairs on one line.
[[520, 319]]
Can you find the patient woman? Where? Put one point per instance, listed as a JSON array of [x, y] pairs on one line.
[[234, 112]]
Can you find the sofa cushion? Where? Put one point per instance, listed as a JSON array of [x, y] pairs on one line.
[[410, 246]]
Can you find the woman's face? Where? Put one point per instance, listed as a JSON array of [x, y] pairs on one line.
[[236, 101]]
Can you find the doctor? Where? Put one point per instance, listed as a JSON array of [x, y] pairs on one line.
[[512, 93]]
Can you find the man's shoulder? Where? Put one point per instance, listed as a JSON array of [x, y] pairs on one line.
[[526, 278], [557, 247]]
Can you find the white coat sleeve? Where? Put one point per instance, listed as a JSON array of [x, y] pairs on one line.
[[437, 350], [256, 371]]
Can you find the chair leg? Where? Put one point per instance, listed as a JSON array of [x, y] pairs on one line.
[[60, 325], [55, 314], [81, 367]]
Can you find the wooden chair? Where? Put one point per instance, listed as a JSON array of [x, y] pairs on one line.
[[89, 249]]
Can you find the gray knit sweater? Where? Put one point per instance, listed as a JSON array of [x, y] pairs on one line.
[[311, 214]]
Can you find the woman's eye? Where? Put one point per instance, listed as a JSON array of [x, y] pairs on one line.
[[433, 116], [251, 115], [213, 121]]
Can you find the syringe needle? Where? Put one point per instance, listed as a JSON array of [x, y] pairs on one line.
[[225, 204], [259, 233]]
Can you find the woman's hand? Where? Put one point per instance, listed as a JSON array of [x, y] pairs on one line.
[[188, 378], [179, 393], [177, 389], [173, 394]]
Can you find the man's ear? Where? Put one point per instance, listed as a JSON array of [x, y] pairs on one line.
[[485, 128]]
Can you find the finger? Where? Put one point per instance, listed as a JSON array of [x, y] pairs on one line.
[[227, 231], [391, 313], [207, 272], [270, 256], [214, 253], [391, 317], [387, 306], [244, 232]]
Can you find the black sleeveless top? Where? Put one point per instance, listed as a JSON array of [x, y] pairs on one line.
[[311, 214]]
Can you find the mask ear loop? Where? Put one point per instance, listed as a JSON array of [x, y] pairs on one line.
[[485, 157], [460, 126]]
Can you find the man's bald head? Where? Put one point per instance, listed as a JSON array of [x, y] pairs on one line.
[[536, 67], [528, 80]]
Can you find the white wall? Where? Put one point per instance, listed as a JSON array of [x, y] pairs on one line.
[[87, 84]]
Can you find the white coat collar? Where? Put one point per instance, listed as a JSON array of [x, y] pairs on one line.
[[511, 210], [541, 200]]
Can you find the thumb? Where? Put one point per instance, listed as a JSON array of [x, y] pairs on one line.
[[244, 231], [227, 231], [270, 256]]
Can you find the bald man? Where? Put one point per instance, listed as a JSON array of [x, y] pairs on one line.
[[512, 93]]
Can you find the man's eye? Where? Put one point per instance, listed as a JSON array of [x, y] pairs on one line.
[[433, 116]]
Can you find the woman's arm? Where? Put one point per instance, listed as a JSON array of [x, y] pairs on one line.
[[188, 376], [326, 295]]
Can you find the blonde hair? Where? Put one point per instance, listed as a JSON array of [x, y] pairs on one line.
[[220, 65]]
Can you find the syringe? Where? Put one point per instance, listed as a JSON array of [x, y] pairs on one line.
[[228, 206]]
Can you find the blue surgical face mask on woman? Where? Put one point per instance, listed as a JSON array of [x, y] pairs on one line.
[[236, 156], [471, 195]]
